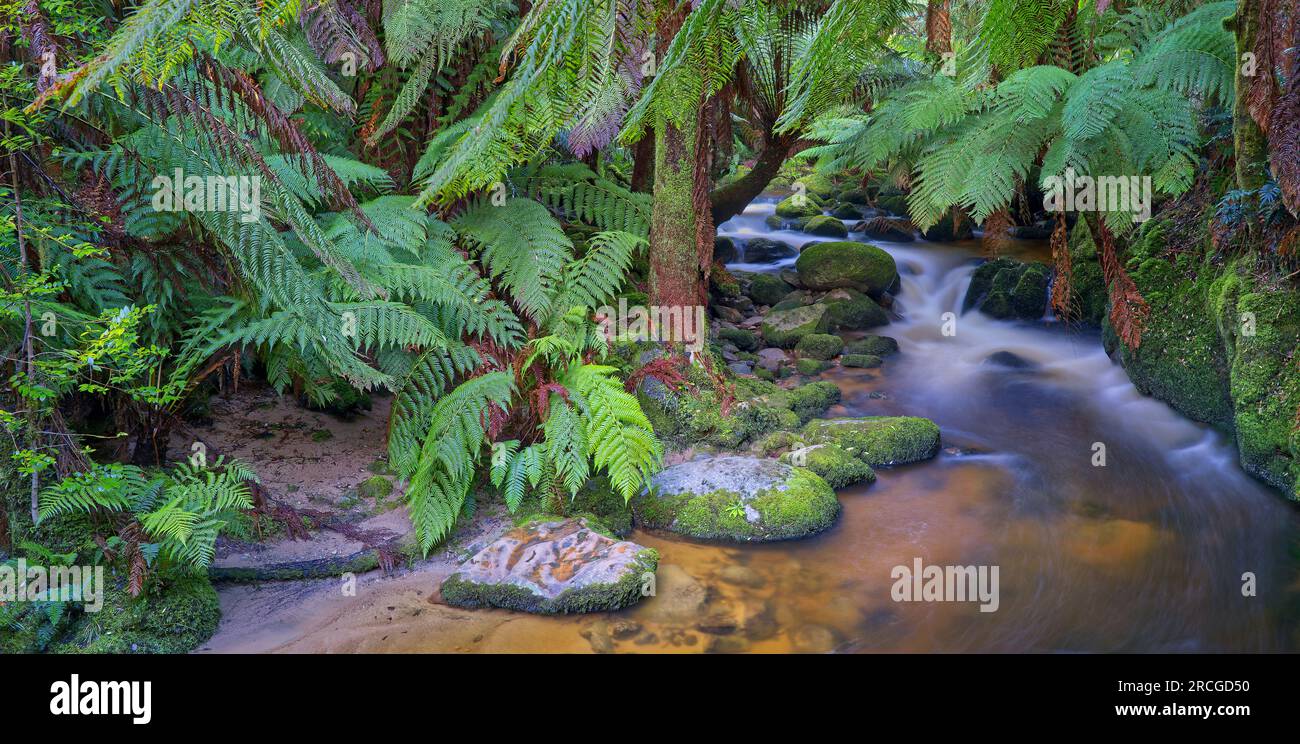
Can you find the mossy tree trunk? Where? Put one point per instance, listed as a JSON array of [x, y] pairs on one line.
[[675, 275], [1249, 145], [938, 28]]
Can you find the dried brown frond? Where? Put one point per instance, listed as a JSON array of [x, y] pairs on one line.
[[1128, 309]]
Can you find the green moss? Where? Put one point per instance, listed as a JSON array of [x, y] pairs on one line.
[[880, 346], [803, 505], [784, 328], [376, 487], [177, 619], [858, 266], [767, 289], [1181, 359], [845, 211], [820, 346], [776, 442], [595, 598], [606, 506], [811, 367], [893, 204], [853, 195], [878, 440], [817, 184], [743, 339], [796, 206], [943, 231], [827, 227], [807, 401], [1007, 288], [861, 360], [1265, 386], [853, 310], [758, 420], [836, 466]]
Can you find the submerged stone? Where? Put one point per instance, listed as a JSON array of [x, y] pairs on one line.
[[547, 567]]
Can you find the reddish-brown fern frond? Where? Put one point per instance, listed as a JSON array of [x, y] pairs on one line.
[[1061, 289], [668, 370], [995, 233], [1128, 309]]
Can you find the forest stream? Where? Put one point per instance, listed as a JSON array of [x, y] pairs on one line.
[[1146, 552]]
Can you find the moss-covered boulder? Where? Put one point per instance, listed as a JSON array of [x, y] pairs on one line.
[[881, 346], [835, 264], [798, 205], [743, 339], [826, 227], [810, 367], [893, 204], [553, 566], [1088, 297], [886, 230], [724, 250], [807, 401], [878, 440], [944, 230], [820, 346], [847, 212], [1009, 289], [854, 195], [777, 222], [768, 289], [737, 499], [784, 328], [836, 466], [816, 184], [766, 250], [861, 360], [852, 310]]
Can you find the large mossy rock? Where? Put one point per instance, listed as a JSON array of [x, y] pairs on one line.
[[795, 206], [1009, 289], [738, 499], [768, 289], [834, 464], [765, 250], [837, 264], [826, 227], [1220, 347], [784, 328], [557, 566], [724, 250], [1088, 298], [853, 310], [878, 440], [819, 346], [876, 345]]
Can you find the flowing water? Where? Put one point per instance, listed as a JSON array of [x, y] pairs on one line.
[[1145, 553]]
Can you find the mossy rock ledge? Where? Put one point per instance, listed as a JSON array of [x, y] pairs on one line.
[[553, 566], [736, 498], [878, 440]]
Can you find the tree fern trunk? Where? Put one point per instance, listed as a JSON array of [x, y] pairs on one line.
[[1249, 146], [674, 261], [938, 28]]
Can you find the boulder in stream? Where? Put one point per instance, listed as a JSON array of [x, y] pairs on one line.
[[555, 566], [836, 264], [878, 440], [838, 467], [826, 227], [765, 250], [738, 499], [1009, 289], [784, 328]]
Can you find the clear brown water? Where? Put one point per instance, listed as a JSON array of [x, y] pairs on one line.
[[1144, 554]]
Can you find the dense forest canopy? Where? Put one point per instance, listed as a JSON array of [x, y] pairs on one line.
[[431, 199]]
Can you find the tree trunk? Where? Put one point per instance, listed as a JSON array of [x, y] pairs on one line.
[[1250, 149], [731, 199], [938, 28], [643, 164], [675, 275]]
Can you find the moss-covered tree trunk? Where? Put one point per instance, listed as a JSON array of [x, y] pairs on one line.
[[1249, 145], [675, 275]]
